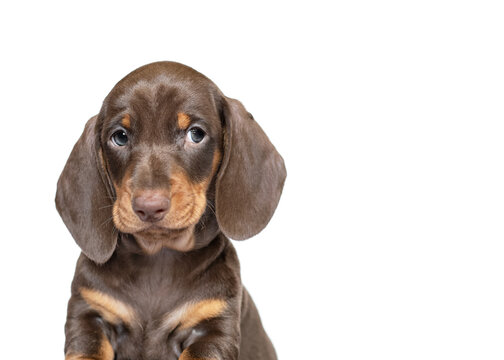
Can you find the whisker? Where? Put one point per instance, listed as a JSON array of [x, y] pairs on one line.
[[115, 231], [106, 206], [106, 221], [203, 224], [211, 207]]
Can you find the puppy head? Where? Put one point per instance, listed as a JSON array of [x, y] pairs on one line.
[[171, 161]]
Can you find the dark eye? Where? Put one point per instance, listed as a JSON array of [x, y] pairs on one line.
[[120, 138], [195, 135]]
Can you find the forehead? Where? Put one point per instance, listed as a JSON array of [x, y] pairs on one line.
[[163, 96]]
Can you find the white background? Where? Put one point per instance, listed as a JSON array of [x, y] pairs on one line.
[[388, 240]]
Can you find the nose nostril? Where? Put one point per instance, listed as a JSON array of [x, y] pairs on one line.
[[150, 207]]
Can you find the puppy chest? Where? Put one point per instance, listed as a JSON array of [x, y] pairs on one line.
[[146, 332]]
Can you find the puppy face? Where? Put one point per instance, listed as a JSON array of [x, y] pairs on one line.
[[172, 161], [161, 145]]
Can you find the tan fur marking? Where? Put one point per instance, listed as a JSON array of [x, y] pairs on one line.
[[188, 203], [188, 200], [190, 314], [112, 310], [183, 121], [106, 350], [180, 222], [126, 121], [105, 353], [216, 162], [187, 356], [122, 212], [203, 310], [76, 357], [199, 190], [183, 211]]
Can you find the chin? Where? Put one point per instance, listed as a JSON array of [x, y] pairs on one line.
[[152, 240]]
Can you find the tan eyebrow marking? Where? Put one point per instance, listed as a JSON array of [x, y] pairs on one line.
[[183, 121], [190, 314], [111, 309], [126, 121]]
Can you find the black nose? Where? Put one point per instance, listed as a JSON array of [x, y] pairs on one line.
[[151, 205]]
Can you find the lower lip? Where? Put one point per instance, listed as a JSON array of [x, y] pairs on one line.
[[155, 227]]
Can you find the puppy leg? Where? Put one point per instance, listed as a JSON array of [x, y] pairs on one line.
[[85, 334], [215, 339], [211, 347]]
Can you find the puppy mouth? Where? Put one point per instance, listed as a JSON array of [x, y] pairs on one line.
[[156, 229], [127, 222], [152, 237]]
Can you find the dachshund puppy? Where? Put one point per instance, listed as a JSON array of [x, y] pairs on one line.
[[167, 171]]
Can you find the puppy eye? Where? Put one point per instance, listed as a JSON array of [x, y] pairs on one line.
[[195, 135], [120, 138]]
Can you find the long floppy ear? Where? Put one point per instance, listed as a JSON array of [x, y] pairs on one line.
[[251, 176], [82, 199]]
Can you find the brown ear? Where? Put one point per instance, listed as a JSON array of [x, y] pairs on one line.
[[251, 176], [82, 199]]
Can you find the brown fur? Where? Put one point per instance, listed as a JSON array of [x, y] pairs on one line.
[[167, 288]]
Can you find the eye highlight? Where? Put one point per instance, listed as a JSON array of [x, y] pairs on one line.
[[119, 138], [195, 135]]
